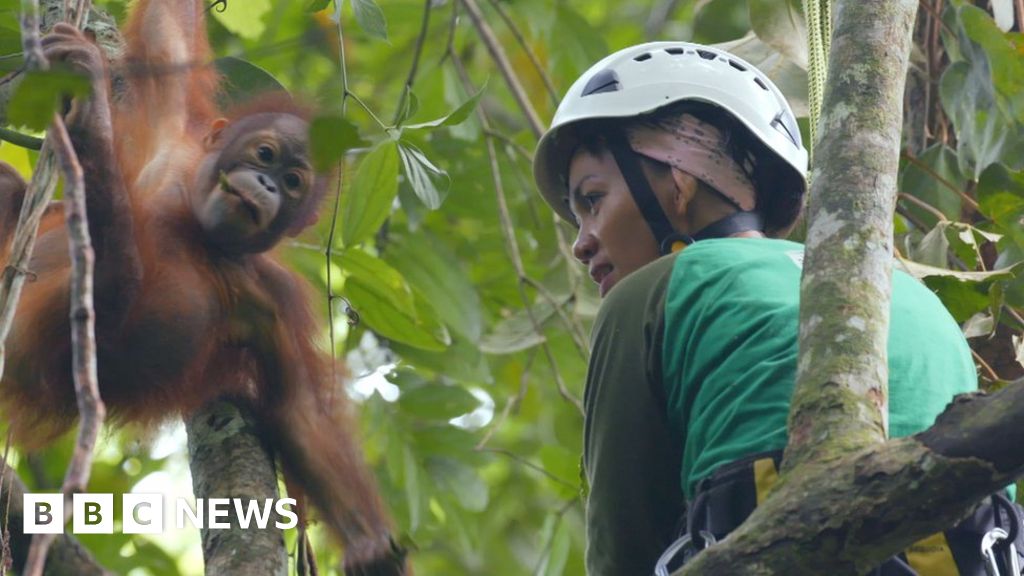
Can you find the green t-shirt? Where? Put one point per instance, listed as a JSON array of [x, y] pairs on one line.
[[729, 355], [692, 366]]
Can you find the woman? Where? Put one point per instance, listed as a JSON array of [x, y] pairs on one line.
[[685, 151]]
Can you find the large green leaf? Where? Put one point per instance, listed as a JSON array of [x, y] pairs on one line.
[[781, 25], [437, 401], [461, 482], [460, 362], [983, 103], [429, 182], [1002, 51], [370, 18], [517, 332], [719, 20], [367, 203], [330, 137], [928, 183], [919, 270], [435, 271], [242, 80], [1001, 198], [787, 74], [37, 97], [387, 304], [457, 116], [244, 19]]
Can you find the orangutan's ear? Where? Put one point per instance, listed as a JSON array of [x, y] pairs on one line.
[[216, 127]]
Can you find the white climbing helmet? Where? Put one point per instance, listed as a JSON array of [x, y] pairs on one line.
[[643, 78]]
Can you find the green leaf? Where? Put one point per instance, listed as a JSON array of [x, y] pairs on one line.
[[787, 75], [933, 250], [434, 270], [962, 299], [720, 20], [242, 80], [38, 96], [516, 333], [317, 5], [413, 494], [981, 324], [1005, 62], [367, 204], [461, 482], [457, 116], [982, 93], [424, 176], [460, 362], [919, 271], [244, 19], [782, 26], [1001, 198], [330, 137], [444, 440], [370, 18], [385, 302], [558, 553], [437, 402], [925, 184]]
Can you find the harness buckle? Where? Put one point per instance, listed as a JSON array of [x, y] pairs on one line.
[[991, 543], [683, 543]]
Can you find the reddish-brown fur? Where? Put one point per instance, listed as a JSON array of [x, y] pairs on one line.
[[180, 320]]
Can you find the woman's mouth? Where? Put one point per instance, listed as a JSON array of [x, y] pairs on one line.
[[602, 276]]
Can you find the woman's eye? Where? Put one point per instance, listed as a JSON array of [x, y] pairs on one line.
[[265, 154], [292, 180], [589, 201]]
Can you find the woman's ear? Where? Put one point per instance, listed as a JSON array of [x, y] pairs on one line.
[[682, 196]]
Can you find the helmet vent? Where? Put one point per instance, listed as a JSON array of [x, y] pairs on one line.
[[737, 66], [604, 81], [675, 51], [761, 84], [642, 57], [707, 54]]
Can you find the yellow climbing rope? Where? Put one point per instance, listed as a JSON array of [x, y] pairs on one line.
[[818, 14]]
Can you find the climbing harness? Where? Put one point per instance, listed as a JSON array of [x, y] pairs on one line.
[[685, 545], [997, 545], [984, 543]]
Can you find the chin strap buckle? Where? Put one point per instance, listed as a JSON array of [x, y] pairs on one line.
[[675, 242]]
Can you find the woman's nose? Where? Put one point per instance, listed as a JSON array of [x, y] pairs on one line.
[[585, 246]]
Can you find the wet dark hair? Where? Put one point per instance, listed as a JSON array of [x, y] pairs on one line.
[[779, 188]]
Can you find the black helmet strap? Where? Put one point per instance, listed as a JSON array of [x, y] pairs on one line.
[[732, 224], [664, 233], [640, 188]]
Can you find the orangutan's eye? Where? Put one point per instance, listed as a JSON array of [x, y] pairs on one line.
[[265, 154], [292, 180]]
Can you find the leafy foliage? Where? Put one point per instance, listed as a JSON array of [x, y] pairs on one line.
[[470, 349]]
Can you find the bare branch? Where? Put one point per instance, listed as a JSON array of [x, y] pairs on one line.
[[90, 407], [498, 54]]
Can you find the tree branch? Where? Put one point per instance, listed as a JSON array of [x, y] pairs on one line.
[[840, 402], [62, 153], [67, 556], [228, 460], [846, 517]]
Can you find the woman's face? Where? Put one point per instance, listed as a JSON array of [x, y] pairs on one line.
[[614, 239]]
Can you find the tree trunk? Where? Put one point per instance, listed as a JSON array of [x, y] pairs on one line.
[[229, 461]]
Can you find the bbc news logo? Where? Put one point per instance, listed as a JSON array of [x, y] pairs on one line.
[[144, 513]]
